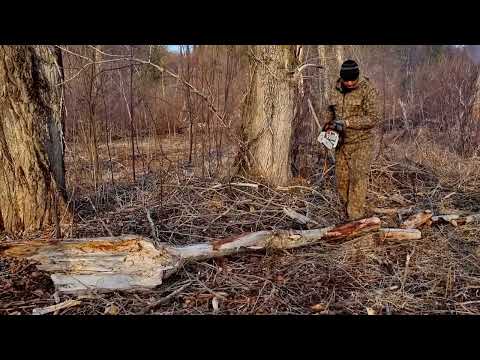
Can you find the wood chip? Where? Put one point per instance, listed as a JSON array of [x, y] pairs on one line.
[[370, 311], [318, 307], [215, 304], [111, 310]]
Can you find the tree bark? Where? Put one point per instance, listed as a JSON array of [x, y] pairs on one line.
[[32, 172], [331, 58], [92, 113], [268, 113]]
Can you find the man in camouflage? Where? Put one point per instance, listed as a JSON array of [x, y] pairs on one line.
[[353, 110]]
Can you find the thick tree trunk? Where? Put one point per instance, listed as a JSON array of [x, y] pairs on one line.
[[31, 137], [269, 112]]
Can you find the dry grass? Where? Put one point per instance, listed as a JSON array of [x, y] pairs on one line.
[[439, 274]]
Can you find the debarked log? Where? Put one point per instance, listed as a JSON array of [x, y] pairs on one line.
[[399, 234], [134, 263]]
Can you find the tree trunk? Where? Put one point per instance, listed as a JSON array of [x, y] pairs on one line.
[[92, 111], [32, 173], [268, 113], [331, 58], [475, 116]]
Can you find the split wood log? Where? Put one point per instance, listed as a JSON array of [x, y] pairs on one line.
[[417, 220], [134, 263]]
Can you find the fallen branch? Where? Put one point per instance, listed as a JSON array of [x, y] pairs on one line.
[[417, 220], [399, 234], [451, 219], [152, 225], [455, 219], [472, 218], [302, 219], [255, 186], [54, 308], [391, 211], [163, 300], [280, 239]]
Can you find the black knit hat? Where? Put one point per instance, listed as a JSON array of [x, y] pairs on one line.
[[349, 71]]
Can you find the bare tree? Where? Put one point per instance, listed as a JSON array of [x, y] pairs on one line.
[[93, 87], [32, 173]]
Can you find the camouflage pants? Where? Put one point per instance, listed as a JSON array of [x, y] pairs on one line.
[[352, 169]]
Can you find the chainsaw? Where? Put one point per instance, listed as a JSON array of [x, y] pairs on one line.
[[330, 136]]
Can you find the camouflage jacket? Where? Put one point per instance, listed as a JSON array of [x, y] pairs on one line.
[[358, 108]]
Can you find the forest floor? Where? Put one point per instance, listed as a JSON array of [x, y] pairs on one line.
[[438, 274]]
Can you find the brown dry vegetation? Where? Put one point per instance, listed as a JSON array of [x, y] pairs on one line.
[[437, 274], [419, 166]]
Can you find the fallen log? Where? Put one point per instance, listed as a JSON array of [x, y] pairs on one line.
[[279, 239], [417, 220], [135, 263]]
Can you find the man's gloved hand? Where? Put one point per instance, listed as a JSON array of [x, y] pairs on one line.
[[339, 125]]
